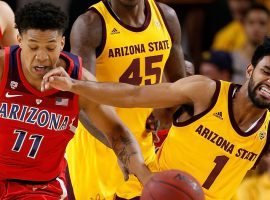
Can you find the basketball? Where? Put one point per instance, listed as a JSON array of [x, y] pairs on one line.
[[172, 185]]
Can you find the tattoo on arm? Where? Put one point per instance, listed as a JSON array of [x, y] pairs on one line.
[[122, 147], [92, 129]]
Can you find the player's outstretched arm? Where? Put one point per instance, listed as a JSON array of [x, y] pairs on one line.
[[120, 139], [190, 90]]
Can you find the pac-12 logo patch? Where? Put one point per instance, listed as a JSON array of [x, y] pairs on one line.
[[262, 135], [13, 84]]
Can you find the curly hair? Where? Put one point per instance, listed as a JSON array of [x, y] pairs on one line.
[[42, 16], [261, 51]]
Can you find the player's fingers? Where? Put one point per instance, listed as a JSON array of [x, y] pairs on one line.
[[59, 71], [155, 137]]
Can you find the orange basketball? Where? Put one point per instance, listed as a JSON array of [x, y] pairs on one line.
[[172, 185]]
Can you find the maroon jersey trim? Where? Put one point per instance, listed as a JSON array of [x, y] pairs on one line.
[[232, 119], [80, 69], [71, 63], [198, 116], [128, 27], [5, 70]]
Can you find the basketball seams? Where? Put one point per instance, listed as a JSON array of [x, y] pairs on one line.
[[173, 186]]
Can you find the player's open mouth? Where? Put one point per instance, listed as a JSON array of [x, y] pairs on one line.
[[265, 91], [41, 69]]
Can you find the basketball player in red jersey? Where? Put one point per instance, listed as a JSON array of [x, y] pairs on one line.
[[36, 126], [130, 41], [8, 33]]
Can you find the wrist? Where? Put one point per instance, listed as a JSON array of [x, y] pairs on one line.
[[141, 171], [73, 86]]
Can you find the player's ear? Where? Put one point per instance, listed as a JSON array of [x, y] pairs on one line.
[[249, 71], [19, 39], [63, 40]]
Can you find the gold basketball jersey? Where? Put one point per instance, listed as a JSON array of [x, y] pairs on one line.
[[131, 55], [212, 148]]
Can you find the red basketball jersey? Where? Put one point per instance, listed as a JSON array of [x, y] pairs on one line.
[[35, 127]]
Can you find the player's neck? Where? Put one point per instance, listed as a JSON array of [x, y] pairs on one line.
[[133, 15], [245, 119]]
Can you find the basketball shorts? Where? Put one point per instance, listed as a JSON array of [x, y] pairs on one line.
[[28, 190]]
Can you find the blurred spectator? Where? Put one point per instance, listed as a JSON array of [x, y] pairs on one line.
[[257, 187], [8, 33], [217, 65], [256, 26], [232, 36], [265, 2]]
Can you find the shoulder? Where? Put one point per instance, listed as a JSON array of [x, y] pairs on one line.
[[88, 28], [90, 18], [4, 7], [171, 21], [197, 81], [198, 88], [168, 12], [5, 11], [6, 14], [169, 15], [88, 23]]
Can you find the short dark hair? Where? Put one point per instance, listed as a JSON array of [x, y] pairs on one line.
[[41, 15], [257, 6], [221, 59], [261, 51]]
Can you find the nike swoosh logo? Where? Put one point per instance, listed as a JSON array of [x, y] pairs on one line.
[[13, 95]]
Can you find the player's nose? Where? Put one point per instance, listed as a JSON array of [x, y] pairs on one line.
[[41, 56]]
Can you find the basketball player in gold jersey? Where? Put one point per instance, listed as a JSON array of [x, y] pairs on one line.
[[224, 139], [129, 41]]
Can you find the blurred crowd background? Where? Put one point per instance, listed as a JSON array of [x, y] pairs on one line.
[[218, 37]]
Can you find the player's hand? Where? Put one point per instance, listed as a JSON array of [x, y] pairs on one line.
[[56, 78], [152, 125]]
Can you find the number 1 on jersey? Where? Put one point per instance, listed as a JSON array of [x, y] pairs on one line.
[[220, 163]]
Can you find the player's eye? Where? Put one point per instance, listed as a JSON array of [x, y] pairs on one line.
[[33, 48]]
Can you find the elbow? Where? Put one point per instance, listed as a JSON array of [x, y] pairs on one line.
[[134, 97], [119, 135]]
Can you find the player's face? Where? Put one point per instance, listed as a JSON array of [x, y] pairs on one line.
[[239, 7], [40, 51], [256, 26], [259, 84]]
